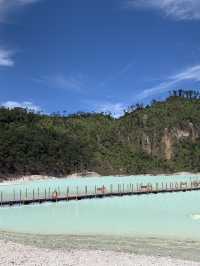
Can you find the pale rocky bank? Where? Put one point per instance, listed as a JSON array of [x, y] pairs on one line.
[[17, 254], [29, 178]]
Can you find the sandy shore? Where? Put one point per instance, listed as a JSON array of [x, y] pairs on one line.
[[29, 178], [17, 254]]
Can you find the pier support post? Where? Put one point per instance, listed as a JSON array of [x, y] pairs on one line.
[[111, 189], [77, 193]]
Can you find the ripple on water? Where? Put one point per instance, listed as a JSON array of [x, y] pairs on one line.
[[196, 216]]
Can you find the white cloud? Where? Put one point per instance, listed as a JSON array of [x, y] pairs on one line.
[[6, 58], [176, 9], [26, 105], [189, 74], [116, 109]]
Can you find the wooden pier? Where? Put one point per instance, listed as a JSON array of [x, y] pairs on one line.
[[114, 190]]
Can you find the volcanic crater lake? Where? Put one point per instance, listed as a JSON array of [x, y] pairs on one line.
[[168, 216]]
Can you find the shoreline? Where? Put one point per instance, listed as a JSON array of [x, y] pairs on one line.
[[18, 254], [30, 178]]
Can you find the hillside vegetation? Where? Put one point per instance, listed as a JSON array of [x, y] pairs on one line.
[[161, 138]]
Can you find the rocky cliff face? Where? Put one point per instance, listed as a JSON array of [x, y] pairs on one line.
[[167, 144], [174, 135], [146, 143], [170, 137]]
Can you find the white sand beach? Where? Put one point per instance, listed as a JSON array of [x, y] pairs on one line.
[[17, 254]]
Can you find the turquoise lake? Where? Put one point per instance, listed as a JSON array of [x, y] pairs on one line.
[[170, 215]]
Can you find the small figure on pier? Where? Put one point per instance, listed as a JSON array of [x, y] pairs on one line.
[[146, 188], [101, 189], [55, 195]]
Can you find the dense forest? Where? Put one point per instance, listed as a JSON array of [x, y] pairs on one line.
[[159, 138]]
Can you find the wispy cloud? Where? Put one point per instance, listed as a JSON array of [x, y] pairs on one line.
[[189, 74], [6, 59], [116, 109], [60, 81], [9, 5], [118, 74], [26, 105], [176, 9]]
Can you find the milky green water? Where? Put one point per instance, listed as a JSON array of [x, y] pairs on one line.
[[165, 215], [169, 216]]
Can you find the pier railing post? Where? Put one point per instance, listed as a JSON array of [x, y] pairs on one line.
[[157, 186], [111, 189], [14, 195], [77, 192], [20, 195], [104, 190], [1, 197], [132, 188]]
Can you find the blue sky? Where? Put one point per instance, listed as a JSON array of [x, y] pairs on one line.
[[93, 55]]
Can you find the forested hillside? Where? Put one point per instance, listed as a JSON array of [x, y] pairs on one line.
[[161, 138]]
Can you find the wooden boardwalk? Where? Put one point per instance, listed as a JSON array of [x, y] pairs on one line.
[[36, 197]]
